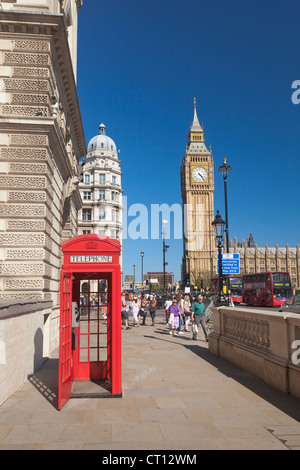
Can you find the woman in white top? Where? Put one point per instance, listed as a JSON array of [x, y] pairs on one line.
[[168, 303], [135, 308], [187, 311]]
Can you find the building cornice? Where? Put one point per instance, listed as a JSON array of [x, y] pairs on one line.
[[20, 24], [42, 125], [50, 127]]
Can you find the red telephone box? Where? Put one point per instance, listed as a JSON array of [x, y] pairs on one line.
[[90, 314]]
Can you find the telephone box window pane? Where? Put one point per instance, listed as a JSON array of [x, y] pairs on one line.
[[84, 341], [83, 311], [84, 327], [102, 285], [103, 355], [83, 355], [93, 341], [93, 355], [103, 340]]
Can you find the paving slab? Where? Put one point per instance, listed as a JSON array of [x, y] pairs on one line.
[[176, 396]]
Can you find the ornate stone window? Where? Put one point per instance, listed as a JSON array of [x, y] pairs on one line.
[[86, 214]]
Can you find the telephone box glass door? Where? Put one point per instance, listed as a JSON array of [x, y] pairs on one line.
[[93, 340]]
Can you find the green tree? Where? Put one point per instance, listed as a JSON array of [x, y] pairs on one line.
[[205, 278]]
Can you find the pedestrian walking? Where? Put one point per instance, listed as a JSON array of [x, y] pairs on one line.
[[198, 317], [186, 312], [124, 311], [152, 309], [174, 318], [168, 302], [181, 309], [143, 309], [135, 308]]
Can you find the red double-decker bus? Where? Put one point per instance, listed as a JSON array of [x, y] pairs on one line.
[[269, 289], [233, 286]]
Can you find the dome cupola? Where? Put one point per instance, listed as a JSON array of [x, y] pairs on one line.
[[102, 142]]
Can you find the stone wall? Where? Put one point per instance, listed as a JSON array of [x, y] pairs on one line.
[[260, 341], [25, 342], [41, 141]]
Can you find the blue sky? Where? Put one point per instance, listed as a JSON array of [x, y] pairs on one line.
[[140, 65]]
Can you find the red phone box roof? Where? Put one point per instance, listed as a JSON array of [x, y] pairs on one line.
[[91, 249]]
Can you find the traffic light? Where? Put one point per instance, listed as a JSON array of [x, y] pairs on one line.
[[186, 279]]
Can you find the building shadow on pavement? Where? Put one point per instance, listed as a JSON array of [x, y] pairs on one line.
[[284, 402]]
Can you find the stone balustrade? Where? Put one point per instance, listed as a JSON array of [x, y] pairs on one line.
[[251, 331], [263, 342]]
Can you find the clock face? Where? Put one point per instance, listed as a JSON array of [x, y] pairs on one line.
[[199, 174]]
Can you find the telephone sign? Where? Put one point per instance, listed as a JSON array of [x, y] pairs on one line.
[[91, 259]]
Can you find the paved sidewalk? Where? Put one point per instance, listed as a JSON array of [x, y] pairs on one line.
[[176, 396]]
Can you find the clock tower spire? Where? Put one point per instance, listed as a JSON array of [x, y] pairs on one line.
[[197, 191], [196, 133]]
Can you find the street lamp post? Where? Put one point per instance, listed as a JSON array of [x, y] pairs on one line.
[[219, 224], [165, 247], [225, 170], [134, 278], [142, 256]]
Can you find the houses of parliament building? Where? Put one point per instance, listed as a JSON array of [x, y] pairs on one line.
[[199, 244], [254, 259]]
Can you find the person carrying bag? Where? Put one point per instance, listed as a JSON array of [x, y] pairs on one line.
[[143, 310], [198, 317]]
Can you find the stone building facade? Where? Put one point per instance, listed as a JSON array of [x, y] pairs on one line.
[[254, 259], [41, 142], [101, 189], [159, 276]]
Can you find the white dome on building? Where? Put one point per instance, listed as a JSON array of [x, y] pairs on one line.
[[101, 142], [100, 187]]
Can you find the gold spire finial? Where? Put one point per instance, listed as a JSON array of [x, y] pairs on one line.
[[195, 102]]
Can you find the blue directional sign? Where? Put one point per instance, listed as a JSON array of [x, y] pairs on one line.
[[230, 263]]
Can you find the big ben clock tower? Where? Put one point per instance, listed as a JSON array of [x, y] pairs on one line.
[[197, 191]]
